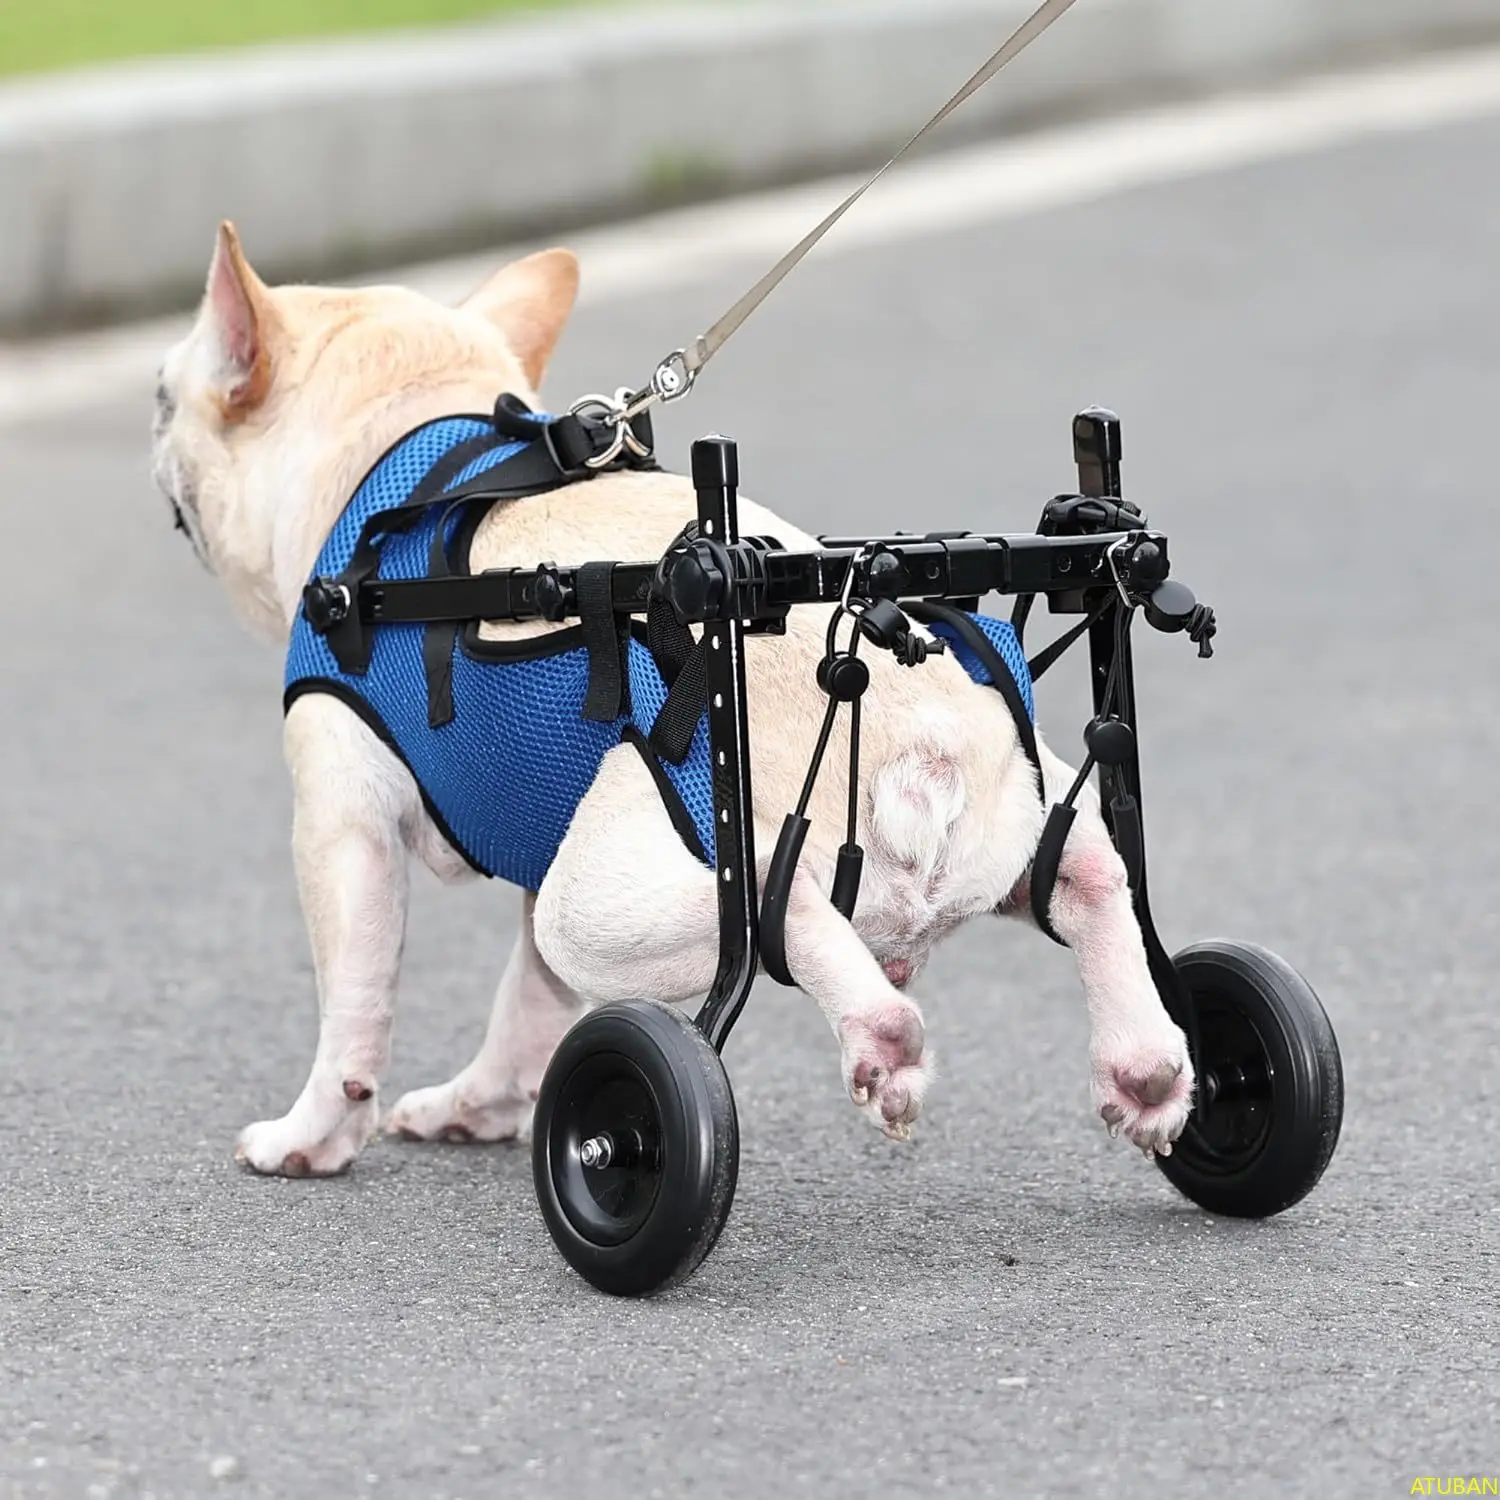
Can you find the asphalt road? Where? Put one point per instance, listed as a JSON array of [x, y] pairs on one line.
[[1307, 358]]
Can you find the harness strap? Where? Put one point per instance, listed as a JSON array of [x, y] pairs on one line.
[[440, 638], [577, 440], [1019, 612], [347, 638], [677, 723], [605, 635], [1049, 654], [684, 668], [670, 641]]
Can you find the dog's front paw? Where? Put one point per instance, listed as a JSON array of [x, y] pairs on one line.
[[448, 1112], [301, 1144], [886, 1065], [1146, 1091]]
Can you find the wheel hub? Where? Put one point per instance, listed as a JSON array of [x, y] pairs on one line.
[[1236, 1085], [608, 1133]]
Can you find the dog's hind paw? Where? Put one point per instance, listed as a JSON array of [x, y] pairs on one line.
[[446, 1113], [1147, 1095], [886, 1065], [289, 1148]]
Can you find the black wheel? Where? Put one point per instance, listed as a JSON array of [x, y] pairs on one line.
[[1270, 1080], [635, 1147]]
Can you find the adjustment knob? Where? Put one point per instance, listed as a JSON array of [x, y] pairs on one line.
[[1147, 564], [552, 600], [885, 575], [692, 583]]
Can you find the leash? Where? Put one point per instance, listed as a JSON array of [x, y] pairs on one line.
[[675, 375]]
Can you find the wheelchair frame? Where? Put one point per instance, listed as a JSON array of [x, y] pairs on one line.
[[635, 1144]]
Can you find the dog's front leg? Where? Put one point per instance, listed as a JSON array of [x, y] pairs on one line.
[[1142, 1076], [352, 800], [491, 1099]]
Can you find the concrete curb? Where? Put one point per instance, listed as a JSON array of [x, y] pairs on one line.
[[336, 157]]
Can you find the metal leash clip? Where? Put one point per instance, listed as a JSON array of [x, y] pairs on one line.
[[670, 381], [617, 412]]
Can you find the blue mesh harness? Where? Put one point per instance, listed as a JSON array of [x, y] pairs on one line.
[[500, 736]]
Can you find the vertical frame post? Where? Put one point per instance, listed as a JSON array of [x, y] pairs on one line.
[[715, 469], [1096, 450]]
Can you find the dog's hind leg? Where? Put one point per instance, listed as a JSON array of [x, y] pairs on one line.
[[491, 1099], [882, 1039], [627, 912], [1142, 1077], [354, 803]]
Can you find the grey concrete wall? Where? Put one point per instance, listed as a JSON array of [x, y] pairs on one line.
[[336, 157]]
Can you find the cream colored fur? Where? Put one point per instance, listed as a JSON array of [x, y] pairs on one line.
[[269, 412]]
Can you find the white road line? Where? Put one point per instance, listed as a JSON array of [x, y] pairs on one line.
[[1072, 164]]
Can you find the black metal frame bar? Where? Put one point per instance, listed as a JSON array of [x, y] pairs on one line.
[[769, 580]]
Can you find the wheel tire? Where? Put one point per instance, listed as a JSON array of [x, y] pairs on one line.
[[643, 1077], [1272, 1082]]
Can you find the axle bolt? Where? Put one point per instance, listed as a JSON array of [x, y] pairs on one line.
[[598, 1151]]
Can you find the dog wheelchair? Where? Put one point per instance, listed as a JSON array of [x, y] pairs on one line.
[[635, 1140]]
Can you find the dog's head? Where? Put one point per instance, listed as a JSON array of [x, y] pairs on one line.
[[279, 398]]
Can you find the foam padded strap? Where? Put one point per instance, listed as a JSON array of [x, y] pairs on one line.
[[1125, 813], [774, 901]]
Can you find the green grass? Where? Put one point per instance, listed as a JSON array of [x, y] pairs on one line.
[[40, 34]]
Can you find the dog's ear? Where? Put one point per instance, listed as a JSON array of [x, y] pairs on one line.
[[240, 320], [529, 301]]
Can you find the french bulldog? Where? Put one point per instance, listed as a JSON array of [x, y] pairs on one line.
[[268, 414]]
